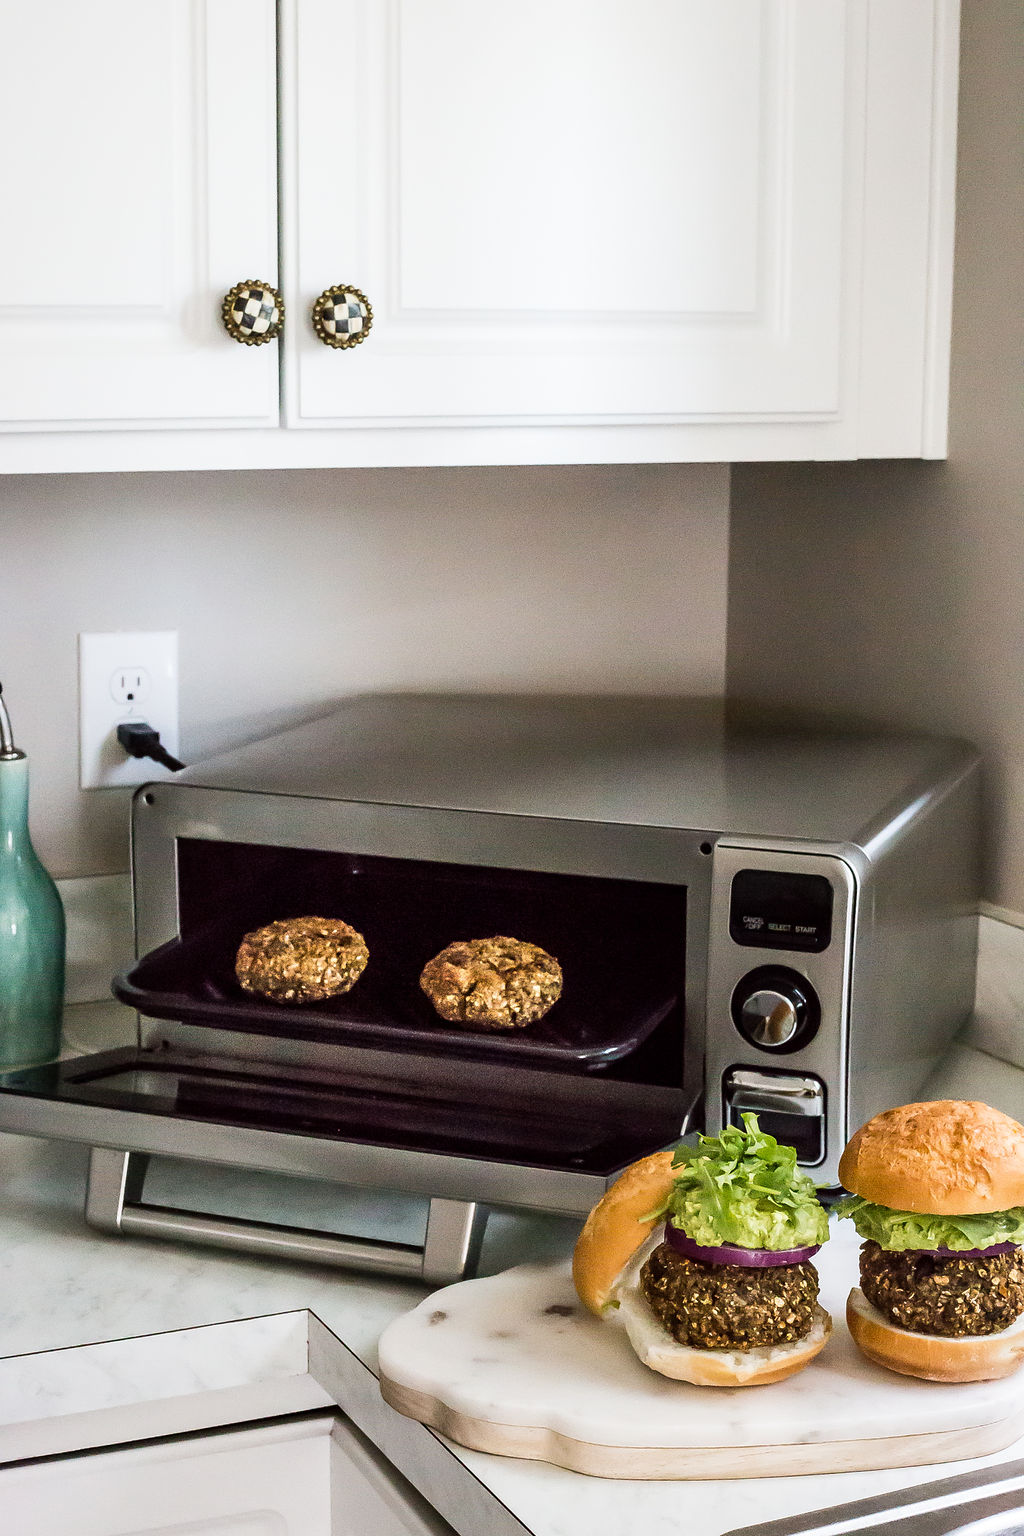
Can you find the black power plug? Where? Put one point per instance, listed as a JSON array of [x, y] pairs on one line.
[[140, 740]]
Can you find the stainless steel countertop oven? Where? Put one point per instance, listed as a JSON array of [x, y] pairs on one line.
[[746, 919]]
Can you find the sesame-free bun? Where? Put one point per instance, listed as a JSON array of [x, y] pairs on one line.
[[610, 1253], [614, 1230], [978, 1357], [950, 1157]]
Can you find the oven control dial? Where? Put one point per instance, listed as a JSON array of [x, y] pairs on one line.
[[776, 1009]]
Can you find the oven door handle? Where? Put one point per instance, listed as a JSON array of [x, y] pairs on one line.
[[450, 1249]]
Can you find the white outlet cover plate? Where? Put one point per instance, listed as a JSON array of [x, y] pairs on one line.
[[107, 665]]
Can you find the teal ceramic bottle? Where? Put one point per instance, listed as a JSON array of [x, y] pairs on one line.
[[31, 925]]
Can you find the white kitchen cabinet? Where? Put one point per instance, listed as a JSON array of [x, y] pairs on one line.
[[589, 230], [138, 182], [313, 1476]]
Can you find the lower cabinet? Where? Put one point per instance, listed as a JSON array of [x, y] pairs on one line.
[[310, 1476]]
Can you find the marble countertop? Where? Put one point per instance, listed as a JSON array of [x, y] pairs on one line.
[[64, 1285]]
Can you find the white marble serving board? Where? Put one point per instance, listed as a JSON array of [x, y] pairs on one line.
[[515, 1365]]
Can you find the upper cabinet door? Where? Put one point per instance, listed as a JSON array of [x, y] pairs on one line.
[[583, 230], [570, 210], [138, 185]]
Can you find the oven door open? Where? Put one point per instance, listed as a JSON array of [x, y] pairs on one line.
[[372, 1089]]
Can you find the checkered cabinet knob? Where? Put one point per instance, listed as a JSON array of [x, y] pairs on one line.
[[252, 312], [342, 316]]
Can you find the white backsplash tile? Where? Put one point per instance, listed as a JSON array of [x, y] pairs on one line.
[[998, 1024], [99, 927]]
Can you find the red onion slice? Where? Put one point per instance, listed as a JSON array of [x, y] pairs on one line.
[[728, 1253], [970, 1253]]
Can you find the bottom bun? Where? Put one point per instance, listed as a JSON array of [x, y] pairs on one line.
[[977, 1357], [656, 1347]]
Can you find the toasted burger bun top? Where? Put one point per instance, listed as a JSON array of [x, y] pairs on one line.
[[950, 1157], [614, 1229]]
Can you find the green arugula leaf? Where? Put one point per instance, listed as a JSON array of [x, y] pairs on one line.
[[742, 1187], [903, 1231]]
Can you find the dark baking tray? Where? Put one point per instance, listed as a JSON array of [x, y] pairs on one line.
[[603, 1014]]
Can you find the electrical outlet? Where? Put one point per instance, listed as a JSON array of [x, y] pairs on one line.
[[125, 676], [129, 685]]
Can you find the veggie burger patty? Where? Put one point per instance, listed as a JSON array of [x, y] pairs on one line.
[[729, 1306], [952, 1295]]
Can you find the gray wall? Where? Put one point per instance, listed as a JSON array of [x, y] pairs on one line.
[[895, 592], [290, 589]]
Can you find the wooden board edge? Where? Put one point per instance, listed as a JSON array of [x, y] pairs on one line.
[[653, 1463]]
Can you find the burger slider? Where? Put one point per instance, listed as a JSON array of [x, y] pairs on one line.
[[938, 1197], [704, 1256]]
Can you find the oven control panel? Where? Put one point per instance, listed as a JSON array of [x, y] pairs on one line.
[[779, 952]]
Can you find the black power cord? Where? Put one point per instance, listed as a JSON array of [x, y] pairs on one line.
[[140, 740]]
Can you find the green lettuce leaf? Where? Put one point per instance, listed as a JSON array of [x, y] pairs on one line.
[[741, 1187], [900, 1231]]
